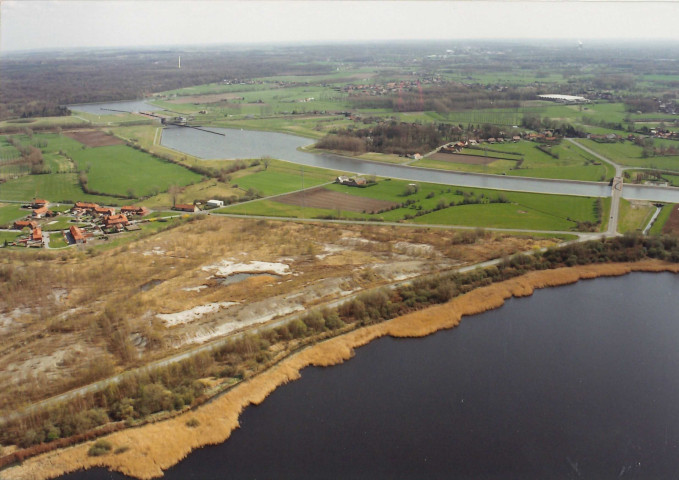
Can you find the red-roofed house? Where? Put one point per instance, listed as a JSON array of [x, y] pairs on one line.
[[133, 210], [85, 205], [40, 212], [39, 202], [113, 220], [185, 208], [36, 234], [77, 234], [21, 224], [104, 211]]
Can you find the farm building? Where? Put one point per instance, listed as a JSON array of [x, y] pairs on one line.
[[40, 212], [104, 211], [85, 205], [77, 234], [21, 224], [38, 203], [214, 203], [351, 181], [564, 98], [134, 210], [113, 220], [36, 234], [185, 208]]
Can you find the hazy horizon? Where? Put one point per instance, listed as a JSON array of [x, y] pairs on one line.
[[65, 24]]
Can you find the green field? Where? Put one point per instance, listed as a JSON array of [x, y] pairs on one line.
[[281, 177], [122, 170], [659, 223], [54, 187], [634, 218], [628, 154], [59, 223], [431, 205], [41, 122], [8, 237], [57, 240], [263, 101], [11, 212], [572, 163]]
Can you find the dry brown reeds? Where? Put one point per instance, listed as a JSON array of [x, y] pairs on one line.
[[156, 447]]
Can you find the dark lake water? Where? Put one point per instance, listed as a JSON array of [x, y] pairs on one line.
[[580, 381]]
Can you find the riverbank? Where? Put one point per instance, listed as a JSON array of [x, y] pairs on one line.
[[156, 447]]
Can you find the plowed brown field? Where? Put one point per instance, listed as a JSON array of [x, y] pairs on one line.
[[672, 224], [94, 138]]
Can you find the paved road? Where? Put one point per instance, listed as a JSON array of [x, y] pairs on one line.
[[652, 220], [616, 187]]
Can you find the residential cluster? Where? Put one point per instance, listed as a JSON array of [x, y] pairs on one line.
[[93, 220]]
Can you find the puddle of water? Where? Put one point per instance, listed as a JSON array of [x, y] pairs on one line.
[[149, 285], [239, 277]]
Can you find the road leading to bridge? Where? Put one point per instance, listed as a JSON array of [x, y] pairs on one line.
[[616, 188]]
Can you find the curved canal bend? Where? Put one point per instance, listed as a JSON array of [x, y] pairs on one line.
[[543, 387], [232, 143]]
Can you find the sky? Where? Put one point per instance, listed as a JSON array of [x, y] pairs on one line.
[[38, 24]]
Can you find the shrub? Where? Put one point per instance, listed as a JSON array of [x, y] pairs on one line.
[[100, 447], [192, 422]]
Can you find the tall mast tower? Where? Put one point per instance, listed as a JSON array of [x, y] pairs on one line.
[[179, 62]]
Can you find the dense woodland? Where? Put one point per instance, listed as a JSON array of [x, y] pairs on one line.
[[392, 137]]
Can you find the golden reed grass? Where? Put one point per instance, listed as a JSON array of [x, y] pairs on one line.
[[157, 447]]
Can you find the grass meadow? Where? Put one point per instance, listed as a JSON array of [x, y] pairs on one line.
[[521, 211], [10, 212], [122, 170]]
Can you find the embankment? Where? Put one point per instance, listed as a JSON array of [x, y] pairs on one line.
[[157, 447]]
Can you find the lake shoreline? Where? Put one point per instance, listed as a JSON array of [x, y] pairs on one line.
[[156, 447]]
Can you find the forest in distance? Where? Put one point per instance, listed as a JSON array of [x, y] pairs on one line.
[[42, 83]]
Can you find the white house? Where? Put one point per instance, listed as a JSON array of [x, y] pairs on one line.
[[214, 203]]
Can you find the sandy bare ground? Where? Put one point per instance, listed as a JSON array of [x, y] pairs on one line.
[[162, 291]]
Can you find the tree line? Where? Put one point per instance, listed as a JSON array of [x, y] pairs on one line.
[[391, 137]]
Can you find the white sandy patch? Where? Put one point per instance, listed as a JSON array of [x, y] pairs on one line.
[[356, 242], [329, 250], [208, 333], [155, 251], [227, 267], [58, 294], [10, 318], [414, 249], [195, 313], [194, 289]]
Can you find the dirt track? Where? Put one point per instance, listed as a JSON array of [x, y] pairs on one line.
[[322, 198]]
